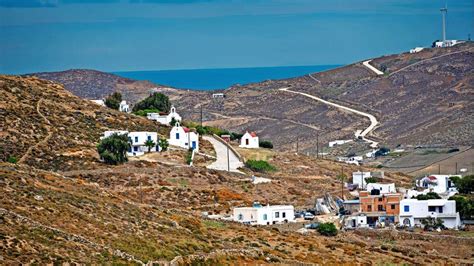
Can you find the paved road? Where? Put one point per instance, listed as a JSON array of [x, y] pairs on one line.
[[221, 154], [376, 71], [363, 134]]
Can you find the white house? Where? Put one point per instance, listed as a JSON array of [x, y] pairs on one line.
[[359, 178], [383, 188], [264, 215], [338, 142], [165, 118], [441, 184], [183, 137], [447, 43], [416, 50], [249, 140], [412, 211], [356, 221], [218, 95], [124, 107], [137, 141], [98, 102]]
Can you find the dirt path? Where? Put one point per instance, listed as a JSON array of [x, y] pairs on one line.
[[376, 71], [363, 134], [48, 128]]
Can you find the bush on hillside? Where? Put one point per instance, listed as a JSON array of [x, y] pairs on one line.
[[371, 180], [234, 136], [428, 196], [465, 185], [113, 149], [432, 223], [382, 151], [156, 100], [12, 159], [113, 101], [465, 206], [259, 166], [146, 111], [266, 144], [163, 143], [327, 229]]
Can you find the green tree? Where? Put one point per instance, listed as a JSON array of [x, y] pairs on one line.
[[371, 180], [327, 229], [149, 144], [464, 206], [465, 185], [113, 101], [163, 143], [113, 149], [173, 122], [154, 101]]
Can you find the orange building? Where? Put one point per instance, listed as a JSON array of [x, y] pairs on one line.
[[380, 207]]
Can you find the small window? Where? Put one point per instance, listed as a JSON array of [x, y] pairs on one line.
[[135, 148], [277, 215], [380, 208], [406, 208], [136, 139], [369, 208], [431, 208], [177, 135], [283, 214], [241, 217], [380, 199], [392, 206], [440, 209], [265, 217], [149, 137]]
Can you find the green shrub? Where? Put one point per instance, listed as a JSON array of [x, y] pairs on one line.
[[465, 185], [464, 206], [371, 180], [189, 156], [428, 196], [163, 143], [154, 101], [327, 229], [259, 166], [12, 159], [113, 101], [266, 144], [113, 149], [432, 223], [234, 136], [146, 111]]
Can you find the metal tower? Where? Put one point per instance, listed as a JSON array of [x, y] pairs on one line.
[[444, 12]]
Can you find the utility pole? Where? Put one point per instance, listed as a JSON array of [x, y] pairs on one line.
[[317, 145], [342, 182], [439, 169], [228, 159], [456, 171], [201, 115], [297, 143]]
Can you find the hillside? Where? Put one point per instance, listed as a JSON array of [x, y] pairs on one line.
[[45, 126], [423, 99], [92, 84], [59, 204]]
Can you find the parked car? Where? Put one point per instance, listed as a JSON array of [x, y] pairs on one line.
[[312, 226], [308, 216]]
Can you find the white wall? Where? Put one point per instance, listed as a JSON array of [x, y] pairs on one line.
[[265, 215], [419, 209], [252, 141], [359, 178], [185, 140], [384, 188]]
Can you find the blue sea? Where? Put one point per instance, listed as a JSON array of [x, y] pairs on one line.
[[220, 78]]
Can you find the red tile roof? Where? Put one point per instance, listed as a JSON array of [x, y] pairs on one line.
[[186, 129], [253, 134]]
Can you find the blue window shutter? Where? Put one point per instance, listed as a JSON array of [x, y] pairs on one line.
[[406, 208]]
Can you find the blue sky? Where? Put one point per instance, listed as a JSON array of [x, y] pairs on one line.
[[127, 35]]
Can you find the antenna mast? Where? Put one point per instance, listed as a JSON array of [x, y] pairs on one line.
[[444, 12]]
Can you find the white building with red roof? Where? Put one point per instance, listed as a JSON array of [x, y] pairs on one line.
[[183, 137], [249, 140]]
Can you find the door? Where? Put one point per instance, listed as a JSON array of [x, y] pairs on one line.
[[193, 145], [246, 141]]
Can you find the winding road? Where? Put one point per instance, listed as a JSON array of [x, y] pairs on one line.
[[369, 66], [363, 134], [221, 155]]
